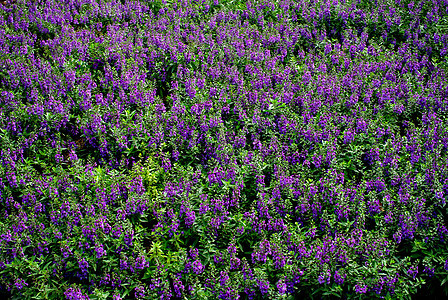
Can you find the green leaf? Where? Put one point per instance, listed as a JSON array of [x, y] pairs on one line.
[[444, 281]]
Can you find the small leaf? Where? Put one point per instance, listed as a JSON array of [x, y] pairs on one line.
[[444, 281]]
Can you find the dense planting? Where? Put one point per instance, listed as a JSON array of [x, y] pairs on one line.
[[223, 149]]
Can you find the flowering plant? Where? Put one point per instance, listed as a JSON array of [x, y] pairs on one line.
[[223, 149]]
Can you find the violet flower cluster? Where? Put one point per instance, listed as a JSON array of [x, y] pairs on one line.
[[223, 149]]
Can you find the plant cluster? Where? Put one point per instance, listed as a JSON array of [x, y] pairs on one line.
[[221, 149]]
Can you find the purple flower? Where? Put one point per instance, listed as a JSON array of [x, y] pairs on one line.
[[104, 280], [190, 217], [194, 253], [360, 288], [317, 160], [128, 238], [231, 249], [75, 294], [444, 51], [338, 279], [234, 263], [429, 271], [141, 262], [397, 237], [116, 297], [324, 278], [240, 230], [281, 285], [83, 265], [20, 283], [263, 285], [123, 264], [139, 292], [198, 268], [223, 278], [100, 252], [388, 218], [349, 136], [413, 271], [178, 286], [175, 155]]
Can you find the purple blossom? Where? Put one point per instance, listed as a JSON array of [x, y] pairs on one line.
[[100, 252], [346, 91], [281, 285], [413, 271], [338, 279], [116, 297], [178, 286], [223, 278], [360, 288], [139, 292], [263, 285], [428, 270], [190, 217], [74, 293], [20, 283], [198, 268]]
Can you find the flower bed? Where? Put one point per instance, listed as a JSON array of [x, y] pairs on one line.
[[223, 149]]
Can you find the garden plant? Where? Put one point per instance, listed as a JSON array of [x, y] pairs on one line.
[[223, 149]]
